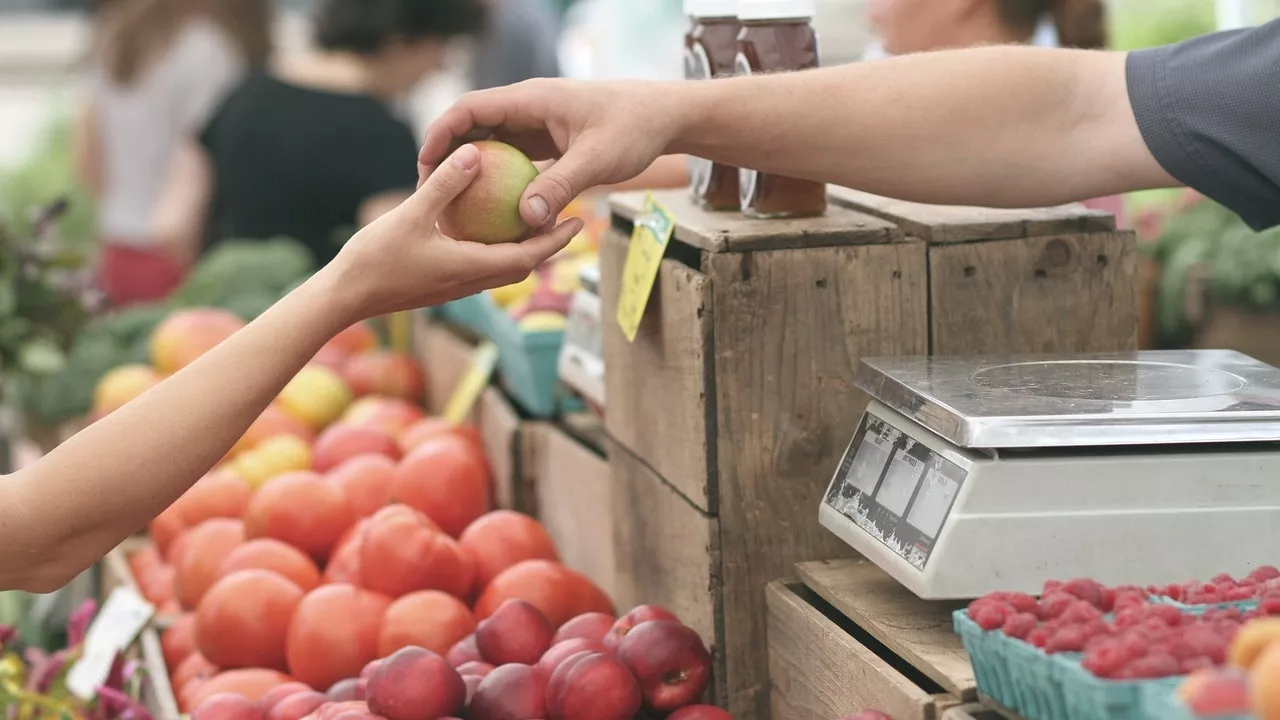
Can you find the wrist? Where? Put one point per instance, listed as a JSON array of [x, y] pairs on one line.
[[338, 294], [694, 103]]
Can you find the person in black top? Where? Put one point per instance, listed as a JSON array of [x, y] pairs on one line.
[[310, 148]]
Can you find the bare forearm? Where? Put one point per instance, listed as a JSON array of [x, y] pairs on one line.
[[1002, 126], [109, 480]]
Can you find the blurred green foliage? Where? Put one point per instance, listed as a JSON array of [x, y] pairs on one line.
[[1137, 24]]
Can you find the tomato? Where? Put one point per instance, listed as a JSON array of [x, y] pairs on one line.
[[429, 619], [204, 548], [334, 634], [403, 551], [502, 538], [243, 620], [301, 509], [274, 555], [446, 479], [366, 481], [560, 593]]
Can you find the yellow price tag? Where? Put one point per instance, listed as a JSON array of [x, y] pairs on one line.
[[473, 382], [400, 330], [649, 238]]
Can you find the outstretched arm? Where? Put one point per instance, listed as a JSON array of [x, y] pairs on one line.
[[64, 512], [1000, 126]]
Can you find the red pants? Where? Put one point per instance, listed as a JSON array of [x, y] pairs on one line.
[[131, 275]]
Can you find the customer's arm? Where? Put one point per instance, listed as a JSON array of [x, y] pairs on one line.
[[64, 512]]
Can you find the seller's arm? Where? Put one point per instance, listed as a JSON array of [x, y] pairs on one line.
[[999, 126], [64, 512]]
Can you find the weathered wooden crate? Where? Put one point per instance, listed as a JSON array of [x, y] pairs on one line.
[[732, 406], [846, 637], [570, 490], [157, 692]]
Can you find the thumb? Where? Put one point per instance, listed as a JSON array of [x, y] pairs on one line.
[[554, 188], [447, 181]]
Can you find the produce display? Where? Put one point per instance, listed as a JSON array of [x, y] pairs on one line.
[[1080, 649], [345, 560]]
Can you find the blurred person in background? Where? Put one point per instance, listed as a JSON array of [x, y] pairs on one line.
[[159, 69], [520, 43], [310, 148], [911, 26]]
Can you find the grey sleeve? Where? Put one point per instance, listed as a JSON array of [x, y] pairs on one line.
[[1209, 110]]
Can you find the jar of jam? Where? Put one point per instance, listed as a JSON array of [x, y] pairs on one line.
[[710, 51], [777, 36]]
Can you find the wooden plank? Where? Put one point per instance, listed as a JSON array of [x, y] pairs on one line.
[[978, 711], [667, 551], [574, 496], [731, 232], [918, 631], [658, 386], [818, 670], [954, 223], [1069, 293], [499, 426], [444, 355], [157, 691], [790, 327]]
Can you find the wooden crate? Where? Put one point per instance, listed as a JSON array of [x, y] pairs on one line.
[[157, 693], [737, 397], [733, 405], [570, 491], [847, 637], [1048, 280]]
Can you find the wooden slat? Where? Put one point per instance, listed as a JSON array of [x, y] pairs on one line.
[[978, 711], [667, 550], [500, 431], [731, 232], [1069, 293], [818, 671], [953, 223], [790, 327], [658, 386], [919, 631], [574, 495]]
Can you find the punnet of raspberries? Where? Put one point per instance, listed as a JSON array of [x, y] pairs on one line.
[[1263, 585], [1119, 632]]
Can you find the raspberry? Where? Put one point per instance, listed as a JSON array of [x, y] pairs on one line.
[[1054, 604], [1105, 660], [1095, 628], [1150, 667], [1067, 639], [1200, 641], [1167, 614], [1039, 637], [1020, 625], [1240, 593], [1127, 599], [1080, 612], [1050, 587], [1088, 590], [1130, 616], [1264, 573], [1223, 579], [1022, 602], [1187, 666], [991, 616]]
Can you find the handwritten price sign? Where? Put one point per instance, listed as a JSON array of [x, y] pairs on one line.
[[649, 238]]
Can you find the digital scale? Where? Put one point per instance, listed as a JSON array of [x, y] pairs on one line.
[[581, 361], [972, 475]]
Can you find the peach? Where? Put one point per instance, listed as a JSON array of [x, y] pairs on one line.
[[488, 210], [392, 415], [560, 678], [272, 422], [342, 442], [121, 385], [1264, 681], [478, 668], [1254, 637], [296, 706], [415, 684], [563, 650], [669, 660], [597, 687], [386, 373], [336, 710], [316, 395], [705, 712], [509, 692], [280, 692], [643, 613], [429, 619], [1214, 693], [272, 457], [227, 706], [517, 632], [591, 626], [366, 481], [185, 335], [464, 651]]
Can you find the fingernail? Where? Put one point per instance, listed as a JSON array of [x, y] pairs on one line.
[[538, 207], [575, 225], [466, 157]]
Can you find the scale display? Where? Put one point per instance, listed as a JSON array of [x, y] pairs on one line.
[[896, 489]]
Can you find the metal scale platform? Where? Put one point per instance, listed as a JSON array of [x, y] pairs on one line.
[[970, 475]]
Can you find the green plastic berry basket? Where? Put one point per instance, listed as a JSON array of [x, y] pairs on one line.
[[470, 312], [1089, 697], [1241, 605], [1162, 703], [1015, 674], [529, 365]]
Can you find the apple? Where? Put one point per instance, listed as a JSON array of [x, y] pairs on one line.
[[342, 442], [642, 613], [386, 373], [517, 632], [590, 626], [510, 692], [670, 662], [597, 687], [562, 651], [488, 210]]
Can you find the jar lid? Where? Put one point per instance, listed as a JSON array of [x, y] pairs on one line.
[[711, 8], [776, 9]]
